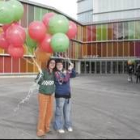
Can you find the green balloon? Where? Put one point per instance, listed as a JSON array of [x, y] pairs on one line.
[[30, 42], [17, 8], [58, 24], [60, 42], [6, 13]]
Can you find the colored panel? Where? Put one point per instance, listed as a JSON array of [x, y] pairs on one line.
[[89, 32], [84, 49], [7, 64], [131, 30], [104, 32], [126, 34], [99, 49], [24, 18], [89, 49], [84, 34], [126, 49], [1, 64], [1, 51], [109, 49], [30, 65], [120, 34], [132, 46], [110, 31], [15, 65], [38, 13], [98, 33], [137, 49], [120, 49], [94, 49], [93, 33], [115, 50], [23, 65], [30, 14], [44, 11], [104, 49], [115, 31], [137, 30]]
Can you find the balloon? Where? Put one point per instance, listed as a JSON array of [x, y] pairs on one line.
[[42, 56], [37, 30], [60, 42], [47, 17], [16, 52], [45, 45], [3, 42], [17, 8], [6, 13], [30, 42], [16, 35], [6, 26], [58, 24], [72, 30]]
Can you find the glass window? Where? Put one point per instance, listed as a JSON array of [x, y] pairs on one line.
[[98, 33], [109, 49], [126, 49], [93, 33], [131, 30], [115, 31], [104, 32], [30, 14], [24, 17], [104, 49], [1, 64], [126, 33], [137, 30], [110, 31], [83, 65], [98, 67], [115, 50], [38, 13], [92, 67], [120, 35], [103, 67], [99, 49], [108, 67]]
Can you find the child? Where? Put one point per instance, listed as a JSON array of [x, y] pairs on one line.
[[63, 95], [45, 98]]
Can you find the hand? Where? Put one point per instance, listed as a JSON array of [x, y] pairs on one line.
[[71, 66]]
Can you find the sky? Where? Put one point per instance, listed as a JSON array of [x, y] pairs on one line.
[[66, 6]]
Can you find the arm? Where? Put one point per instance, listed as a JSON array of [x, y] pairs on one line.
[[39, 78]]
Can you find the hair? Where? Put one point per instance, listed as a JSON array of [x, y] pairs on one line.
[[48, 63]]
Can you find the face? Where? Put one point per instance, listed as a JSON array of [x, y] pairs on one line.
[[52, 64], [59, 66]]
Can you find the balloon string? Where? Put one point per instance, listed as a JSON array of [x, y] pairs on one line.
[[28, 61]]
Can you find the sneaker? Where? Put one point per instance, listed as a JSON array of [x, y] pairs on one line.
[[70, 129], [61, 131]]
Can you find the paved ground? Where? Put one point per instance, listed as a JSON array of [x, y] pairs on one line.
[[104, 107]]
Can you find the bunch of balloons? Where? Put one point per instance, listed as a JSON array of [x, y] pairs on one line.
[[13, 36], [45, 37], [52, 34]]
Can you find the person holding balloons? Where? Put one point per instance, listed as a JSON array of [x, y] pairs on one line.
[[45, 98], [63, 95]]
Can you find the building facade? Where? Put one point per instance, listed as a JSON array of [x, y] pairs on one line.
[[101, 48], [108, 10]]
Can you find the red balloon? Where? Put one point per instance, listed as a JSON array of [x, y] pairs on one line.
[[45, 45], [72, 30], [16, 52], [16, 35], [5, 27], [47, 17], [3, 42], [37, 30]]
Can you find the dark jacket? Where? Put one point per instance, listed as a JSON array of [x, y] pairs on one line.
[[130, 69], [62, 83], [138, 70], [46, 82]]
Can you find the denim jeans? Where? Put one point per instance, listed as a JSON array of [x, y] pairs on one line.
[[62, 114]]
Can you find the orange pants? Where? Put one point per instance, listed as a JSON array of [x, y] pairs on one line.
[[45, 112]]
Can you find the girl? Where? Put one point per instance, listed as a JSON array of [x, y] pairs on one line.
[[45, 98], [63, 95]]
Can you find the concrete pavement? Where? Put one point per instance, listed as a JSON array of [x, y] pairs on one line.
[[104, 107]]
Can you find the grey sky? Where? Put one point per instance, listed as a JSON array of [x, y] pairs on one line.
[[66, 6]]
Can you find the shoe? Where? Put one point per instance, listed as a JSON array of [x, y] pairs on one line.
[[40, 133], [61, 131], [70, 129]]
